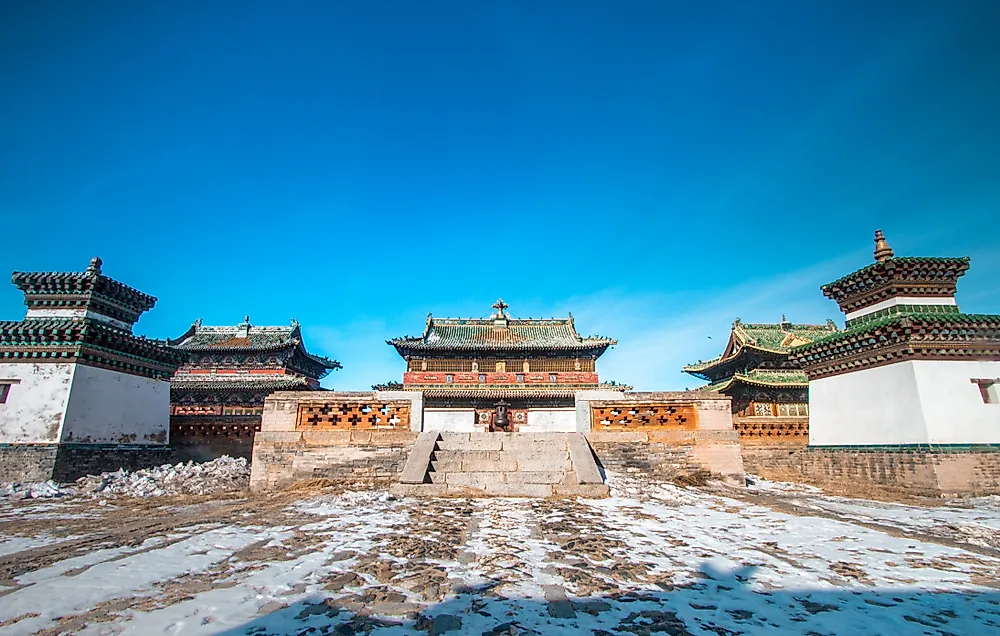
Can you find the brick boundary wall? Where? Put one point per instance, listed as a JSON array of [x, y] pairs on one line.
[[68, 462], [283, 458], [911, 469], [286, 453], [712, 445], [667, 454]]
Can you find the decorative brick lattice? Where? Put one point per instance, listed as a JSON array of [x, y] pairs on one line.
[[773, 431], [341, 416], [645, 416], [197, 410]]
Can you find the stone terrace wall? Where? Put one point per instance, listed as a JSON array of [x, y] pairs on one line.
[[709, 442], [27, 463], [68, 462], [287, 451], [916, 470]]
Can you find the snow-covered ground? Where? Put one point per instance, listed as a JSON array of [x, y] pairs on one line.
[[651, 559]]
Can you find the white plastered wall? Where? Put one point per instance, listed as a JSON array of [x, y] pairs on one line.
[[914, 402], [901, 300], [455, 420], [36, 402], [953, 405], [110, 407], [550, 421]]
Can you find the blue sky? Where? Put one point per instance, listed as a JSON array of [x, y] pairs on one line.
[[656, 168]]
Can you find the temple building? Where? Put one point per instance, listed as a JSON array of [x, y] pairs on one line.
[[910, 368], [500, 373], [769, 392], [77, 388], [217, 395]]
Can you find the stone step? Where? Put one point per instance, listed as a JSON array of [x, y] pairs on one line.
[[504, 465], [593, 491]]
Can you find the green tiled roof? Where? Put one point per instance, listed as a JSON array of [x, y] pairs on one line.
[[961, 264], [192, 383], [88, 341], [90, 289], [246, 337], [507, 334], [941, 318], [774, 337], [240, 338], [762, 377]]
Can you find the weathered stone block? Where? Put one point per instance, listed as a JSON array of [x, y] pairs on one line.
[[548, 477], [501, 489], [274, 437], [418, 490], [474, 480], [544, 465], [617, 436], [590, 491], [487, 465], [326, 438]]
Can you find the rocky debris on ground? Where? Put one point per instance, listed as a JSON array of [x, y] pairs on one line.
[[40, 490], [225, 474]]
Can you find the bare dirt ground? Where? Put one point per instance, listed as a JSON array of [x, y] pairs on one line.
[[654, 558]]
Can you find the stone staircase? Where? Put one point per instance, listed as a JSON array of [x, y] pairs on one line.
[[501, 465]]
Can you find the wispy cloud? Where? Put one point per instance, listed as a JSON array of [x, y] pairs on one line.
[[658, 333]]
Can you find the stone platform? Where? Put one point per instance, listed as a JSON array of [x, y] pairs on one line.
[[501, 465]]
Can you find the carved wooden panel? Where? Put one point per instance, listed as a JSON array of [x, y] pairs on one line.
[[343, 416], [631, 417]]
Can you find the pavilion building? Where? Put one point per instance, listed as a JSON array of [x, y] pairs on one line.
[[769, 392], [79, 392], [217, 395], [910, 368], [526, 372]]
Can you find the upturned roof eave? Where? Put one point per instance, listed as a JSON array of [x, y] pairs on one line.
[[407, 348]]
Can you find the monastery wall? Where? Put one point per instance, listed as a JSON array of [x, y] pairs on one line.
[[336, 435], [912, 402], [119, 408], [954, 410], [37, 401], [28, 463], [860, 471], [662, 434], [550, 421], [454, 420]]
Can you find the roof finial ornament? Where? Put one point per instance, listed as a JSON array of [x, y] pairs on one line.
[[500, 305], [95, 266], [882, 249], [246, 320]]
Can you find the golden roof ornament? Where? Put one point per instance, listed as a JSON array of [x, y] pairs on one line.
[[882, 249], [500, 305]]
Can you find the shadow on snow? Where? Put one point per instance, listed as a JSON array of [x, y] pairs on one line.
[[720, 603]]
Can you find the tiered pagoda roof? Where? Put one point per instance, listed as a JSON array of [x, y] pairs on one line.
[[84, 317], [904, 330], [247, 338], [500, 334], [244, 360], [49, 294], [751, 343]]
